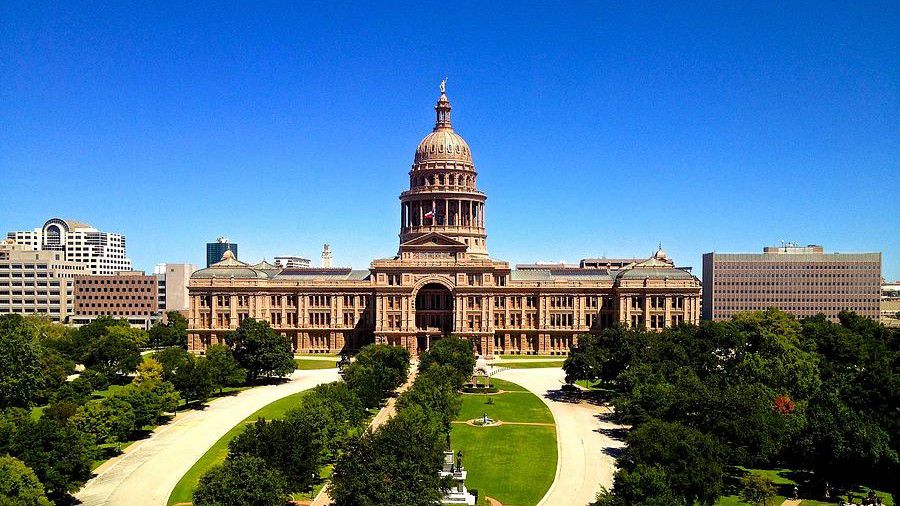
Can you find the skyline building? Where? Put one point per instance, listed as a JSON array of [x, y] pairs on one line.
[[442, 281], [801, 280], [215, 250], [130, 295], [172, 286], [103, 253], [37, 282]]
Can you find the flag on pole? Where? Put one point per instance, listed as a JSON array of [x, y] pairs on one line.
[[430, 214]]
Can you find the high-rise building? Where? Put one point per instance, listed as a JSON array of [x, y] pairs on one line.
[[102, 252], [131, 295], [37, 282], [172, 285], [215, 250], [441, 282], [801, 280]]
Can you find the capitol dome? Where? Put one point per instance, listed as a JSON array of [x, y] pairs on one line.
[[443, 144]]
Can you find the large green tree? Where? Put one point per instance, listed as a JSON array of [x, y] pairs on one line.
[[293, 446], [335, 412], [242, 481], [689, 460], [260, 350], [171, 333], [453, 352], [396, 464], [20, 366], [435, 390], [115, 353], [58, 453], [377, 371], [226, 371], [19, 485]]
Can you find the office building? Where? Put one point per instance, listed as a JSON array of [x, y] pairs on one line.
[[172, 286], [102, 252], [215, 250], [130, 295], [801, 280], [37, 282]]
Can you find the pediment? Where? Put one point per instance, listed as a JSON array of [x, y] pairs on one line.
[[434, 240]]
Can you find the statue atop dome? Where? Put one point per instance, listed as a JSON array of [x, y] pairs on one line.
[[443, 85]]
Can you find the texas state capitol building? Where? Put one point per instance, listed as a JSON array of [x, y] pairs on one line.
[[442, 281]]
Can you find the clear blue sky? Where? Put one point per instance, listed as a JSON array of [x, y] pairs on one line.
[[597, 128]]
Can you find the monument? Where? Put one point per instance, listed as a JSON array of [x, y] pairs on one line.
[[454, 470]]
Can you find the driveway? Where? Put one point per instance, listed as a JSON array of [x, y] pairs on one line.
[[585, 446], [148, 471]]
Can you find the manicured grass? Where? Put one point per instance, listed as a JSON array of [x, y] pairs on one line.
[[306, 365], [514, 464], [317, 355], [216, 454], [532, 364], [507, 407]]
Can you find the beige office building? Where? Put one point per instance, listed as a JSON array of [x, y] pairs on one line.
[[37, 282], [442, 281], [801, 280], [102, 252]]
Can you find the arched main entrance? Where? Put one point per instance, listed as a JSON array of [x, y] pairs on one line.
[[434, 313]]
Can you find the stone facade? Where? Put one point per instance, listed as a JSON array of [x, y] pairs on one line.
[[442, 281]]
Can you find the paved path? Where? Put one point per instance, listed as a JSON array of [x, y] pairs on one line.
[[583, 465], [149, 470]]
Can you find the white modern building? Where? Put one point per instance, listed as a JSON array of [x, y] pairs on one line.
[[102, 252], [37, 282]]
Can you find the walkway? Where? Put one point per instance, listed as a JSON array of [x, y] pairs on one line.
[[149, 470], [585, 462]]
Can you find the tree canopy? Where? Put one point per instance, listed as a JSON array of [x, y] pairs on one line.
[[259, 350]]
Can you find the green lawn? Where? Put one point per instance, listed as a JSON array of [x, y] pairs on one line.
[[305, 364], [531, 364], [514, 464], [507, 407], [216, 454]]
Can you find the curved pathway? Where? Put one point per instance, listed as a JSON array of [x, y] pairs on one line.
[[585, 462], [149, 469]]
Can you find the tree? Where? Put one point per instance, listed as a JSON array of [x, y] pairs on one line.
[[20, 368], [77, 344], [171, 359], [397, 464], [689, 460], [241, 481], [336, 413], [435, 390], [149, 395], [259, 350], [378, 370], [171, 333], [226, 371], [194, 379], [114, 354], [291, 446], [642, 486], [454, 352], [19, 485], [111, 420], [58, 453], [756, 489]]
